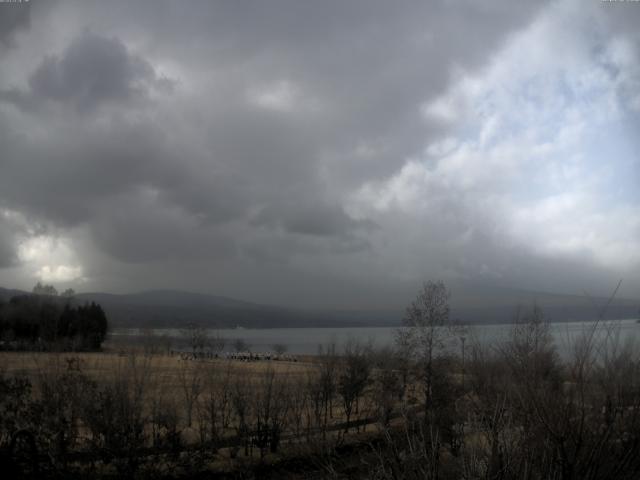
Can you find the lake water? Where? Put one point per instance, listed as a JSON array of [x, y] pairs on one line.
[[307, 340]]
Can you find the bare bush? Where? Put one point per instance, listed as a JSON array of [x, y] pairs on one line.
[[114, 413], [197, 338], [215, 408], [279, 348], [241, 404], [191, 384], [354, 378], [270, 408]]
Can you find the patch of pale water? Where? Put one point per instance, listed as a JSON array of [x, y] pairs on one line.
[[305, 341]]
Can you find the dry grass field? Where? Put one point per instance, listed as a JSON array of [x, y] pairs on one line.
[[167, 368], [162, 379], [194, 403]]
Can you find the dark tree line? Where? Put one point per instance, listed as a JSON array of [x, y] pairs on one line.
[[46, 321]]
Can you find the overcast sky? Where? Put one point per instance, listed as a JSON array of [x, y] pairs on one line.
[[325, 153]]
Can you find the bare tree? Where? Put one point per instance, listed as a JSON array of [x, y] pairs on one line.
[[114, 414], [239, 345], [541, 418], [48, 290], [164, 421], [150, 341], [270, 407], [426, 325], [354, 378], [217, 343], [327, 381], [68, 293], [197, 338], [387, 389], [241, 403], [314, 392], [191, 383], [279, 348], [215, 409], [299, 405]]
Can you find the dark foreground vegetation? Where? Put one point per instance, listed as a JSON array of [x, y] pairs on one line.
[[438, 406]]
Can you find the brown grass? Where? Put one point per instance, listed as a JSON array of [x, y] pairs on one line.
[[102, 366]]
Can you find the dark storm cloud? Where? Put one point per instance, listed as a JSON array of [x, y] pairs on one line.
[[311, 218], [214, 155], [13, 18], [369, 68], [78, 167], [92, 70], [319, 221], [209, 133], [139, 228], [7, 248]]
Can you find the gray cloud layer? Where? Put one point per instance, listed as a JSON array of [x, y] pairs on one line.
[[214, 145], [12, 20]]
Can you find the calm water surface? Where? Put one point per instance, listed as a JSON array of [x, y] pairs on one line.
[[307, 340]]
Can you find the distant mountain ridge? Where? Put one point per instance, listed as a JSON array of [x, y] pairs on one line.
[[7, 293], [168, 297], [175, 309]]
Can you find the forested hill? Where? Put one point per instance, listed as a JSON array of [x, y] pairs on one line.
[[170, 308]]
